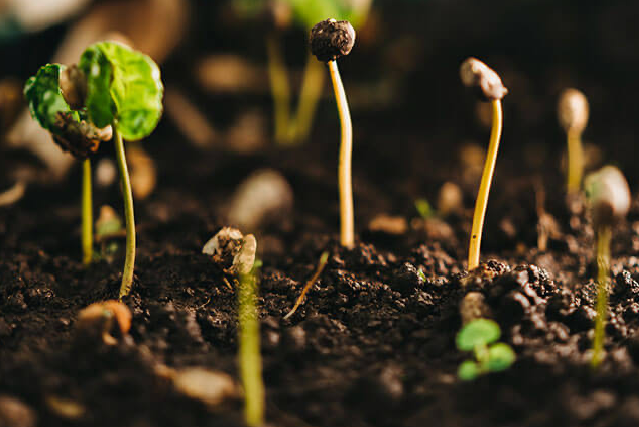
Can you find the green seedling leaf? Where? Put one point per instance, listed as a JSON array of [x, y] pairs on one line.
[[421, 274], [424, 208], [123, 88], [44, 97], [468, 370], [500, 357], [477, 333]]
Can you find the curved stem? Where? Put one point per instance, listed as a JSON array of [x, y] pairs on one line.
[[279, 88], [87, 214], [484, 188], [604, 235], [575, 161], [310, 93], [347, 230], [125, 183]]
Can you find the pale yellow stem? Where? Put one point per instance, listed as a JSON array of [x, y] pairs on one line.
[[310, 93], [484, 188], [347, 230], [279, 88], [575, 161], [604, 236], [87, 214]]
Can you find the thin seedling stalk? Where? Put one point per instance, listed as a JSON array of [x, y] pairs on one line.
[[87, 214], [310, 93], [484, 188], [127, 194], [347, 230], [604, 236], [575, 160], [279, 88], [250, 359]]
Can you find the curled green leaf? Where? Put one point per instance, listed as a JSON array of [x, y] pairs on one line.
[[477, 333], [123, 88], [45, 98]]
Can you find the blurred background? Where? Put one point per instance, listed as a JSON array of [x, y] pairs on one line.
[[239, 78]]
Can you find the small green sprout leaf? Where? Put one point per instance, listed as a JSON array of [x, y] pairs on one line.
[[468, 370], [479, 332], [45, 98], [500, 357], [424, 208], [124, 88]]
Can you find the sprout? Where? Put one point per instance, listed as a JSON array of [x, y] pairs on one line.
[[476, 337], [330, 40], [104, 322], [573, 113], [486, 82], [609, 199], [70, 130]]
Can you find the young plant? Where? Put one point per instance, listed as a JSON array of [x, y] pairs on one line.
[[479, 337], [609, 199], [573, 113], [47, 98], [112, 87], [488, 86], [330, 40], [250, 359]]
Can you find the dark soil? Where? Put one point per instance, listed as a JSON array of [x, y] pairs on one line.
[[373, 344]]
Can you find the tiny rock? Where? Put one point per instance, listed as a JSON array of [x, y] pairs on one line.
[[264, 196], [14, 413], [392, 225], [105, 321], [473, 306], [212, 388]]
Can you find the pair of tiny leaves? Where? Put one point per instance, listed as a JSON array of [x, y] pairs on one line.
[[500, 356], [478, 334], [123, 88]]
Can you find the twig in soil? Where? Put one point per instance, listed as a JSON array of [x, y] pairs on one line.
[[250, 359], [331, 39], [487, 83], [320, 267], [609, 197], [573, 116]]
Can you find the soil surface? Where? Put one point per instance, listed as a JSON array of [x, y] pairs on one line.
[[373, 343]]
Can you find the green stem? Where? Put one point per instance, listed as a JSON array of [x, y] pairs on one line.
[[310, 93], [127, 194], [575, 161], [87, 214], [604, 236], [279, 88], [249, 350]]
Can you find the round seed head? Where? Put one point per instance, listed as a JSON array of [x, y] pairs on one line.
[[484, 80], [573, 110], [331, 39], [608, 195]]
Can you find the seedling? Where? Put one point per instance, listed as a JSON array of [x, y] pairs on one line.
[[250, 359], [609, 199], [573, 116], [111, 87], [487, 84], [479, 336], [70, 130], [330, 40]]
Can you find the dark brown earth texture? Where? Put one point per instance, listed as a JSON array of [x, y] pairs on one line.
[[373, 343]]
